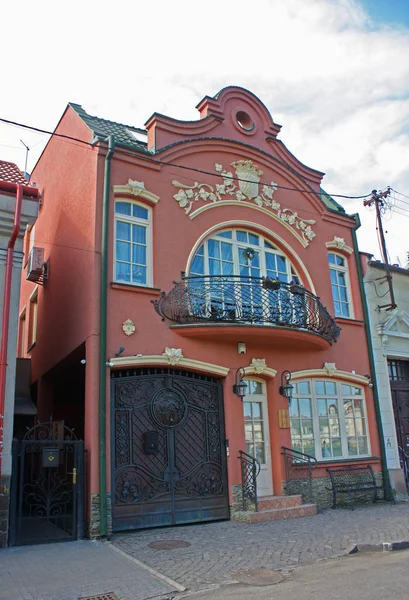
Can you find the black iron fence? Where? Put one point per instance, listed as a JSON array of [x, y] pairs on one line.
[[250, 300], [298, 473], [250, 468]]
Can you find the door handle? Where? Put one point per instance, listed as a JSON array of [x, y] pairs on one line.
[[74, 475]]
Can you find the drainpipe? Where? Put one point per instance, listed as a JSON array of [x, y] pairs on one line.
[[6, 310], [385, 474], [103, 341]]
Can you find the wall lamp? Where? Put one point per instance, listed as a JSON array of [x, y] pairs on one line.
[[286, 388], [240, 386]]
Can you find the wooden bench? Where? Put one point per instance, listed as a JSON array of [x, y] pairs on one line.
[[350, 480]]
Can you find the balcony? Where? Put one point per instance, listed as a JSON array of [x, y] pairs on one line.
[[250, 301]]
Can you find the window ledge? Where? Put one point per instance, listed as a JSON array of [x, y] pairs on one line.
[[127, 287], [342, 461], [348, 321]]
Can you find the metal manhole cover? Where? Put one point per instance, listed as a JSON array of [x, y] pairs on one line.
[[169, 545], [109, 596], [258, 576]]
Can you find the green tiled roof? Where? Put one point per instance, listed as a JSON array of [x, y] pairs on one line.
[[103, 127], [330, 202]]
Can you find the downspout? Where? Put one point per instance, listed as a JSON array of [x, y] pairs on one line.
[[103, 341], [6, 310], [385, 474]]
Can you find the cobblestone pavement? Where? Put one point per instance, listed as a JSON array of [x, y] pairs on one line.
[[218, 550], [72, 570]]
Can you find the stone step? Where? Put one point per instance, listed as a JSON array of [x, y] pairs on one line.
[[268, 502], [275, 514]]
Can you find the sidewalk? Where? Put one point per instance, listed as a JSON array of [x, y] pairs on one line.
[[215, 551], [72, 570]]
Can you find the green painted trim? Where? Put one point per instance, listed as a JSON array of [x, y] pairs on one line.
[[385, 473], [103, 340]]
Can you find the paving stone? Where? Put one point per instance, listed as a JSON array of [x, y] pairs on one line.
[[218, 550]]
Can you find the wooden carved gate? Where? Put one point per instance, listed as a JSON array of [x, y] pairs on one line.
[[169, 462]]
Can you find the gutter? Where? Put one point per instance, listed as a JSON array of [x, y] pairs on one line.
[[385, 474], [103, 340]]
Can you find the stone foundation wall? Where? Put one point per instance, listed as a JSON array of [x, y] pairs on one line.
[[322, 492], [4, 510], [237, 501], [93, 528]]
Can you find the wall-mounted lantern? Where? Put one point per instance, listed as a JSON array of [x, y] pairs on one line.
[[240, 386], [286, 388]]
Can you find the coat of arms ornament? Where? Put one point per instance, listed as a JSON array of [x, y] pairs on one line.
[[128, 327], [244, 186]]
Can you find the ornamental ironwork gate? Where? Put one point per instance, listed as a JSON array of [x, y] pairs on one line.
[[168, 449], [47, 486]]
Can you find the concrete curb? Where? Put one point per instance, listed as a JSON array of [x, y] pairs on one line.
[[383, 547], [176, 586]]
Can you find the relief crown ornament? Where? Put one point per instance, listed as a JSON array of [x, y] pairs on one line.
[[128, 327], [330, 368], [173, 355], [259, 365], [136, 187]]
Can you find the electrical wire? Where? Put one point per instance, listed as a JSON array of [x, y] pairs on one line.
[[178, 166]]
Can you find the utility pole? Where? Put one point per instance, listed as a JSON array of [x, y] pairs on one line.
[[378, 198]]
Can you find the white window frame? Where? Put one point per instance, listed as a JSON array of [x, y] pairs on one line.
[[147, 224], [345, 270], [313, 396], [33, 319]]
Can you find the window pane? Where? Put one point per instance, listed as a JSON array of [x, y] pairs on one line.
[[281, 264], [358, 409], [326, 448], [258, 432], [139, 211], [307, 430], [346, 390], [352, 447], [225, 234], [345, 310], [363, 445], [260, 455], [241, 236], [294, 409], [333, 276], [227, 251], [254, 387], [139, 234], [305, 407], [296, 427], [250, 448], [247, 409], [340, 261], [330, 388], [198, 265], [227, 268], [322, 408], [213, 249], [214, 267], [332, 408], [320, 387], [336, 447], [139, 255], [303, 387], [123, 271], [139, 274], [254, 239], [248, 430], [123, 231], [324, 426], [123, 251], [309, 447], [123, 208], [256, 410]]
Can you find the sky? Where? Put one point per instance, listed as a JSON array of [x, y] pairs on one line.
[[333, 73]]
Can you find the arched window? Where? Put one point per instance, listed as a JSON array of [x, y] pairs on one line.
[[242, 253], [133, 243], [328, 419]]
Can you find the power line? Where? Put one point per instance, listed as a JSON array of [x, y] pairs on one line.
[[185, 167]]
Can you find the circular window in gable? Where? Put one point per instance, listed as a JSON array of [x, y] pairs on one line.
[[244, 121]]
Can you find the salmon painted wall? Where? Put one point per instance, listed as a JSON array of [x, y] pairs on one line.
[[70, 178], [175, 235]]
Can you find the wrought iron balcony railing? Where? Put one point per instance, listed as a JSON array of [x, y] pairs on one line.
[[246, 300]]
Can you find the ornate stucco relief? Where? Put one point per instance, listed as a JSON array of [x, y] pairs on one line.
[[136, 188], [128, 327], [338, 243], [173, 355], [330, 368], [248, 189], [259, 365]]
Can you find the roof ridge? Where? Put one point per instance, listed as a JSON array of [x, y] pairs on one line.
[[82, 112]]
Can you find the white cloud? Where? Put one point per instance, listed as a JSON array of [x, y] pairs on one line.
[[339, 86]]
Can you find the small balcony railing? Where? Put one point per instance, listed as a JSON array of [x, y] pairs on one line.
[[245, 300]]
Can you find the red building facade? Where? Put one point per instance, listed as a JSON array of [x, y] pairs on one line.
[[184, 259]]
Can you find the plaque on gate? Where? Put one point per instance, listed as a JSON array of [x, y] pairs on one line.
[[51, 457]]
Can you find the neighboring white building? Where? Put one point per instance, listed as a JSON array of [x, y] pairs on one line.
[[390, 340], [10, 179]]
